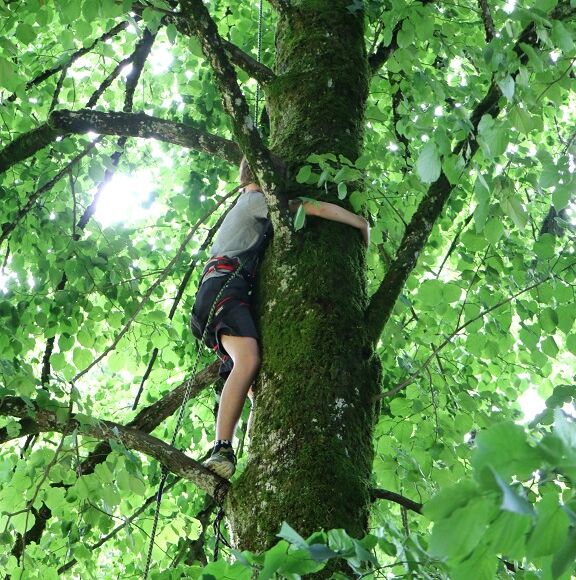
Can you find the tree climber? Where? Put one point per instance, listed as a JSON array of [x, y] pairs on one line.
[[232, 331]]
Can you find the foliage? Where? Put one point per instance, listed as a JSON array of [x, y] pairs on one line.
[[484, 324]]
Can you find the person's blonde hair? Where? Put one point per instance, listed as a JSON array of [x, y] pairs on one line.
[[246, 175]]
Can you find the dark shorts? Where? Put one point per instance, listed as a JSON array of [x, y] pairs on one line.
[[232, 315]]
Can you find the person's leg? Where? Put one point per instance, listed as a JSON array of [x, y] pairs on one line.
[[245, 354]]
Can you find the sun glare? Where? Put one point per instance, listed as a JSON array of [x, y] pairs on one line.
[[127, 199]]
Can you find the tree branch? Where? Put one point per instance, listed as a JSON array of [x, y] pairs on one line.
[[8, 227], [147, 420], [459, 328], [65, 122], [383, 52], [127, 521], [173, 460], [75, 56], [248, 64], [432, 204], [197, 21], [487, 19], [396, 498]]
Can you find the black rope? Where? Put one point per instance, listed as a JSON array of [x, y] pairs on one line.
[[218, 535], [165, 472]]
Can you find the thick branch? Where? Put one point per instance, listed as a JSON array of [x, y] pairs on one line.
[[173, 460], [248, 64], [396, 498], [198, 22], [432, 204], [66, 122], [150, 417]]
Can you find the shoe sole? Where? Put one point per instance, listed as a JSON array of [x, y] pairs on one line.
[[223, 470]]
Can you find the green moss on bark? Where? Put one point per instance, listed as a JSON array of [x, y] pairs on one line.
[[311, 450]]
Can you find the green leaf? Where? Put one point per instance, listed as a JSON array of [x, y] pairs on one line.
[[304, 174], [511, 501], [82, 358], [299, 218], [25, 33], [565, 558], [514, 209], [504, 448], [171, 33], [342, 190], [8, 78], [522, 120], [562, 37], [507, 86], [561, 196], [550, 530], [428, 165], [507, 534], [292, 536], [456, 536]]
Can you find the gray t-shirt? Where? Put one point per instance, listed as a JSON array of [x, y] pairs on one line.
[[244, 228]]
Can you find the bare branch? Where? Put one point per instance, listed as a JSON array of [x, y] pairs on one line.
[[487, 19], [396, 498], [248, 64], [66, 122], [75, 56], [173, 460]]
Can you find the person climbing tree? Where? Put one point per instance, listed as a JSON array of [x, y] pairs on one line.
[[226, 287]]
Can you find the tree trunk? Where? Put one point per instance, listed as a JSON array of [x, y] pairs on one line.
[[311, 449]]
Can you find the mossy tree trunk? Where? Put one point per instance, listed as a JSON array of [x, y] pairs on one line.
[[311, 449]]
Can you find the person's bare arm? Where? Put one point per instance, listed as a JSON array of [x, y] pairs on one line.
[[335, 213]]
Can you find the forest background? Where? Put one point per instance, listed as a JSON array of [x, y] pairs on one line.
[[415, 409]]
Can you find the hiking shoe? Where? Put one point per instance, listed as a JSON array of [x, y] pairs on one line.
[[222, 462]]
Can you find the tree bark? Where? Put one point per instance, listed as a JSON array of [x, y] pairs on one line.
[[311, 450]]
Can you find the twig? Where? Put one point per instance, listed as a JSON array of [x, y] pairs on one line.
[[58, 89], [127, 521], [49, 72], [396, 498], [8, 227], [396, 389]]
